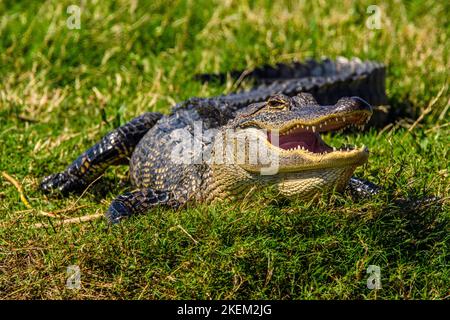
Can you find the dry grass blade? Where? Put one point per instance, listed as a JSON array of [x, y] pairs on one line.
[[185, 232], [428, 109], [85, 190], [59, 212], [19, 188], [23, 198], [71, 220]]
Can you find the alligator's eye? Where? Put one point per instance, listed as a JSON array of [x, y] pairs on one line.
[[279, 102]]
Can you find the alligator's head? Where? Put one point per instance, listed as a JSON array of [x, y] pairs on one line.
[[278, 143]]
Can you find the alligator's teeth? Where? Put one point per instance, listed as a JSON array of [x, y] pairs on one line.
[[334, 149], [314, 128], [324, 123], [343, 119], [320, 125]]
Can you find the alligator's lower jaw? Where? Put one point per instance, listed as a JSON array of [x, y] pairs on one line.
[[307, 184], [298, 162]]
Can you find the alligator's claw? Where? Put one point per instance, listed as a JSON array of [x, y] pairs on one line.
[[62, 182], [117, 211]]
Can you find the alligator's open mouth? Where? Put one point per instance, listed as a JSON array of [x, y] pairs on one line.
[[304, 137], [303, 140]]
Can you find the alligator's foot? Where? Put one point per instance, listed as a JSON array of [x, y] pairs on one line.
[[137, 202], [62, 182], [117, 211], [361, 189]]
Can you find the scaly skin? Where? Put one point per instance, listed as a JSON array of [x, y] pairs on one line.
[[155, 142]]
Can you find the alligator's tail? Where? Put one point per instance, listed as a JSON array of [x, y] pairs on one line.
[[327, 80]]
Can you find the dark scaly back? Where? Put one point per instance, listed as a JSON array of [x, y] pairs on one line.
[[162, 160]]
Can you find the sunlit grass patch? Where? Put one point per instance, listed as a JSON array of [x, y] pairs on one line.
[[62, 89]]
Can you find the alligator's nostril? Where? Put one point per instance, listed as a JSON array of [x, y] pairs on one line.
[[361, 104]]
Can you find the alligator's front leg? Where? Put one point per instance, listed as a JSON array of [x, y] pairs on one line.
[[114, 148]]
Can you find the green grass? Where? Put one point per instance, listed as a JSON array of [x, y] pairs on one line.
[[62, 89]]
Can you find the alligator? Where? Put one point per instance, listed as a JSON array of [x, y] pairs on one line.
[[227, 147]]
